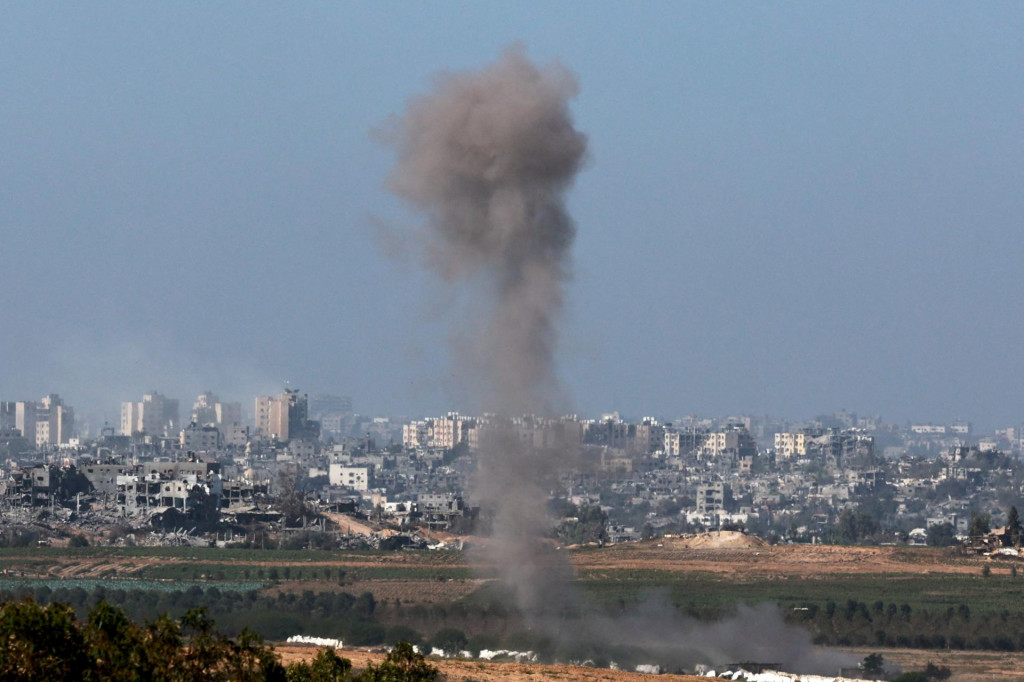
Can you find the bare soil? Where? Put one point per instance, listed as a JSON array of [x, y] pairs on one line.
[[740, 557], [465, 671], [967, 666]]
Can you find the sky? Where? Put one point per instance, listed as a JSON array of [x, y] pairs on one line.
[[786, 208]]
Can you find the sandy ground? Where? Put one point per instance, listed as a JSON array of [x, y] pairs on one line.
[[740, 557], [967, 666], [731, 555], [484, 670]]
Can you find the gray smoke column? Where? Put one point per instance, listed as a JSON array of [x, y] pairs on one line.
[[487, 157]]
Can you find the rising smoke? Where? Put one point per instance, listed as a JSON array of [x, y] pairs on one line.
[[487, 158]]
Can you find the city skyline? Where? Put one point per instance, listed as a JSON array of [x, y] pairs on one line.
[[785, 210]]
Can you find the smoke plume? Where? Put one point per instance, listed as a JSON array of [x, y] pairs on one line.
[[486, 157]]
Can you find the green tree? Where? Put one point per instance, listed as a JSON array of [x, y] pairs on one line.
[[326, 667], [117, 646], [291, 500], [980, 525], [41, 643], [402, 664], [449, 640], [873, 664], [942, 535], [586, 523], [1013, 526]]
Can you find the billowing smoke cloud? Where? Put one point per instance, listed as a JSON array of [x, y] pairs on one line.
[[487, 157]]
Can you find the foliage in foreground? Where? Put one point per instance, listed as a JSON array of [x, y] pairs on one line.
[[48, 643]]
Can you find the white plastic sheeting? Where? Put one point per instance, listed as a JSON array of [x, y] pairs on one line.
[[316, 641]]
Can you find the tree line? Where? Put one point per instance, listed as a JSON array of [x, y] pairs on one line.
[[50, 643]]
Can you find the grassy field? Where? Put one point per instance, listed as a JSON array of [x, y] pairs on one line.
[[898, 592], [709, 592], [698, 582]]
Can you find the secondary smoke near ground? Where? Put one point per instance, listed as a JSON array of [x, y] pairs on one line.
[[486, 157]]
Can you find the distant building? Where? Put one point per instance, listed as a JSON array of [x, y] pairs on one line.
[[155, 415], [323, 404], [649, 437], [928, 429], [683, 442], [43, 424], [711, 498], [449, 431], [208, 409], [415, 434], [285, 416], [200, 438], [790, 445], [737, 441], [961, 428], [356, 478]]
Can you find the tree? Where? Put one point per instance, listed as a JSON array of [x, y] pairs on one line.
[[326, 667], [449, 640], [980, 525], [584, 524], [402, 664], [41, 643], [873, 664], [942, 535], [1013, 526], [47, 643], [117, 645], [852, 527], [291, 500]]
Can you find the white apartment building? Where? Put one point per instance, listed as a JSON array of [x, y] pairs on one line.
[[356, 478]]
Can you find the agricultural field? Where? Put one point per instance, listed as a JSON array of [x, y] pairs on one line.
[[894, 599]]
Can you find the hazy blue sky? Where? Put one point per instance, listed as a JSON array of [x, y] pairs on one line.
[[788, 208]]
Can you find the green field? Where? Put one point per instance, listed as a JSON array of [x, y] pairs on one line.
[[935, 610]]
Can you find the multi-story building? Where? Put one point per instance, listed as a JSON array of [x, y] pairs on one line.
[[323, 404], [155, 415], [790, 444], [45, 423], [285, 416], [683, 442], [736, 440], [200, 438], [447, 432], [356, 478], [650, 436], [208, 409], [711, 498], [415, 434]]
